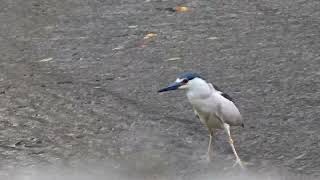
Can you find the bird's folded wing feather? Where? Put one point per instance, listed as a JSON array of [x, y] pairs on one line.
[[225, 95]]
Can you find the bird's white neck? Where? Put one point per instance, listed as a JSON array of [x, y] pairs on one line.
[[198, 88]]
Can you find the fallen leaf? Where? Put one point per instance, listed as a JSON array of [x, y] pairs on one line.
[[300, 156], [117, 48], [46, 59], [174, 59], [213, 38], [150, 35], [182, 9], [132, 26]]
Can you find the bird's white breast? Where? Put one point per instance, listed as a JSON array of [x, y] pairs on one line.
[[213, 109]]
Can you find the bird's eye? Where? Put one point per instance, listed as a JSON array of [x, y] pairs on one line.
[[185, 81]]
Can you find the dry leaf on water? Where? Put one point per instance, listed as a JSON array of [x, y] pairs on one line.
[[150, 35], [182, 9]]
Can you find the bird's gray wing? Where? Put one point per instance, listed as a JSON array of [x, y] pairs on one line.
[[214, 87], [223, 115], [225, 95]]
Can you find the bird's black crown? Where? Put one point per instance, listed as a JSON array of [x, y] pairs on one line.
[[189, 76]]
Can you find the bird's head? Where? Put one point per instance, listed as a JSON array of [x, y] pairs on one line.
[[186, 81]]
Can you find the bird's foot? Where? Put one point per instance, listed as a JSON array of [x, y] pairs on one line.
[[239, 162], [209, 157]]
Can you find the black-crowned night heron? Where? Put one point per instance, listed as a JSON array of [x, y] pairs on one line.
[[214, 108]]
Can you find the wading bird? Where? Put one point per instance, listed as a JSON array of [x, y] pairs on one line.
[[214, 108]]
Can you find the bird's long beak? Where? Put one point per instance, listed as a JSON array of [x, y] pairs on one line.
[[171, 87]]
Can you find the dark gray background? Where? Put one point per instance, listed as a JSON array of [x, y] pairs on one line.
[[96, 101]]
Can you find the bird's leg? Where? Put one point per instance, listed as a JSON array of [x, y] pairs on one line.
[[238, 160], [209, 152]]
